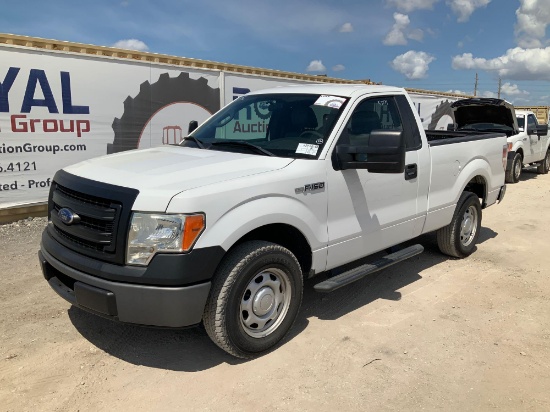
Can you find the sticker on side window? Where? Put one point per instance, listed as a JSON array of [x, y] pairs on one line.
[[308, 149], [330, 101]]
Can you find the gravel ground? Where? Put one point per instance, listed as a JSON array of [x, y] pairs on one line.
[[432, 333]]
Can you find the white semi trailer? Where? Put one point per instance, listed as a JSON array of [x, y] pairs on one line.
[[63, 103]]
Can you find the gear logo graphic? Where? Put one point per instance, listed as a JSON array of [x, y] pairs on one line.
[[160, 112], [442, 116]]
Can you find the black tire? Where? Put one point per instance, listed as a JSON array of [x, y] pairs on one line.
[[544, 165], [249, 281], [456, 240], [513, 175], [153, 97]]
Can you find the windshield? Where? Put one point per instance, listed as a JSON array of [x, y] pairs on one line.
[[284, 125]]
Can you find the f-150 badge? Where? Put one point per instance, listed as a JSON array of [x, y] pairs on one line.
[[312, 187]]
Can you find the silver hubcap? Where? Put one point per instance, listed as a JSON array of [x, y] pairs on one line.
[[265, 302], [517, 169], [468, 228]]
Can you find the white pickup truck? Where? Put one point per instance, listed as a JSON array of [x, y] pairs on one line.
[[278, 186], [528, 142]]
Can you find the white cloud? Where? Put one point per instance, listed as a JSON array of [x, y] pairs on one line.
[[400, 32], [490, 95], [533, 17], [316, 66], [416, 34], [512, 90], [131, 44], [396, 36], [516, 64], [346, 28], [413, 64], [411, 5], [338, 68], [464, 8]]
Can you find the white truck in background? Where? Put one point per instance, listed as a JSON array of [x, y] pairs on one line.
[[528, 141], [224, 227], [532, 143]]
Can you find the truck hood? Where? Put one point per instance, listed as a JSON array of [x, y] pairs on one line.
[[161, 173], [482, 110]]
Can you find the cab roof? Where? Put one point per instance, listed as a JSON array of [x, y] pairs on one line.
[[344, 90]]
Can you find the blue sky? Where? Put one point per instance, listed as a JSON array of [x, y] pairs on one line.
[[427, 44]]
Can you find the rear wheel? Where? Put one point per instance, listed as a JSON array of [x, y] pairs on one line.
[[255, 298], [544, 166], [513, 175], [459, 238]]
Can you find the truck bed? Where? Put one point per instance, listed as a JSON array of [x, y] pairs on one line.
[[452, 169]]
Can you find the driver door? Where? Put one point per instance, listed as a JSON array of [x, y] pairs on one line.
[[369, 212], [535, 142]]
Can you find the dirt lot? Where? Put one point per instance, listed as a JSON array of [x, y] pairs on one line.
[[431, 333]]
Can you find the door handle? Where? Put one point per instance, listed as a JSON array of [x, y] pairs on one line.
[[411, 171]]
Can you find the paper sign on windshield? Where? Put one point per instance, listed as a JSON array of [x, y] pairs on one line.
[[330, 101], [308, 149]]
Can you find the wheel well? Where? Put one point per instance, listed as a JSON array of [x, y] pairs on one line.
[[520, 152], [478, 186], [286, 236]]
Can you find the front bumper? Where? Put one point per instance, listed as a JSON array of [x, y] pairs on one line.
[[144, 304]]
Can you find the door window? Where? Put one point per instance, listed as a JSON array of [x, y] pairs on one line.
[[371, 114], [531, 122]]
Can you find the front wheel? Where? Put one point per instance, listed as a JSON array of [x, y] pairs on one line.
[[544, 166], [255, 297], [512, 175], [459, 238]]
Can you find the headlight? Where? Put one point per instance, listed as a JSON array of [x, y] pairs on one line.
[[151, 233]]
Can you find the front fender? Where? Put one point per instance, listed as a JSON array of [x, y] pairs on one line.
[[255, 213]]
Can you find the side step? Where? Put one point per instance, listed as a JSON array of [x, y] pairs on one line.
[[360, 272]]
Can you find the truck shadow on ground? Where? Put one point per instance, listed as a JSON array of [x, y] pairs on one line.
[[191, 350], [528, 173]]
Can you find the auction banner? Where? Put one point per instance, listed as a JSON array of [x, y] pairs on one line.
[[434, 111], [57, 109]]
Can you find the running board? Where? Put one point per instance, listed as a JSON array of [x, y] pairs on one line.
[[360, 272]]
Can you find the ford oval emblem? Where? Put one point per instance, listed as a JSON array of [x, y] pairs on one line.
[[67, 216]]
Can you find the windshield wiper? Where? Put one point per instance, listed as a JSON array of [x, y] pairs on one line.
[[257, 149], [194, 139]]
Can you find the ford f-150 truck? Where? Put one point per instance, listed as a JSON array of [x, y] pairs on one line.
[[528, 142], [278, 186]]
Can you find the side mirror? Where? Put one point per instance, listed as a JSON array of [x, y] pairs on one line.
[[385, 153], [542, 130], [451, 127], [193, 124]]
